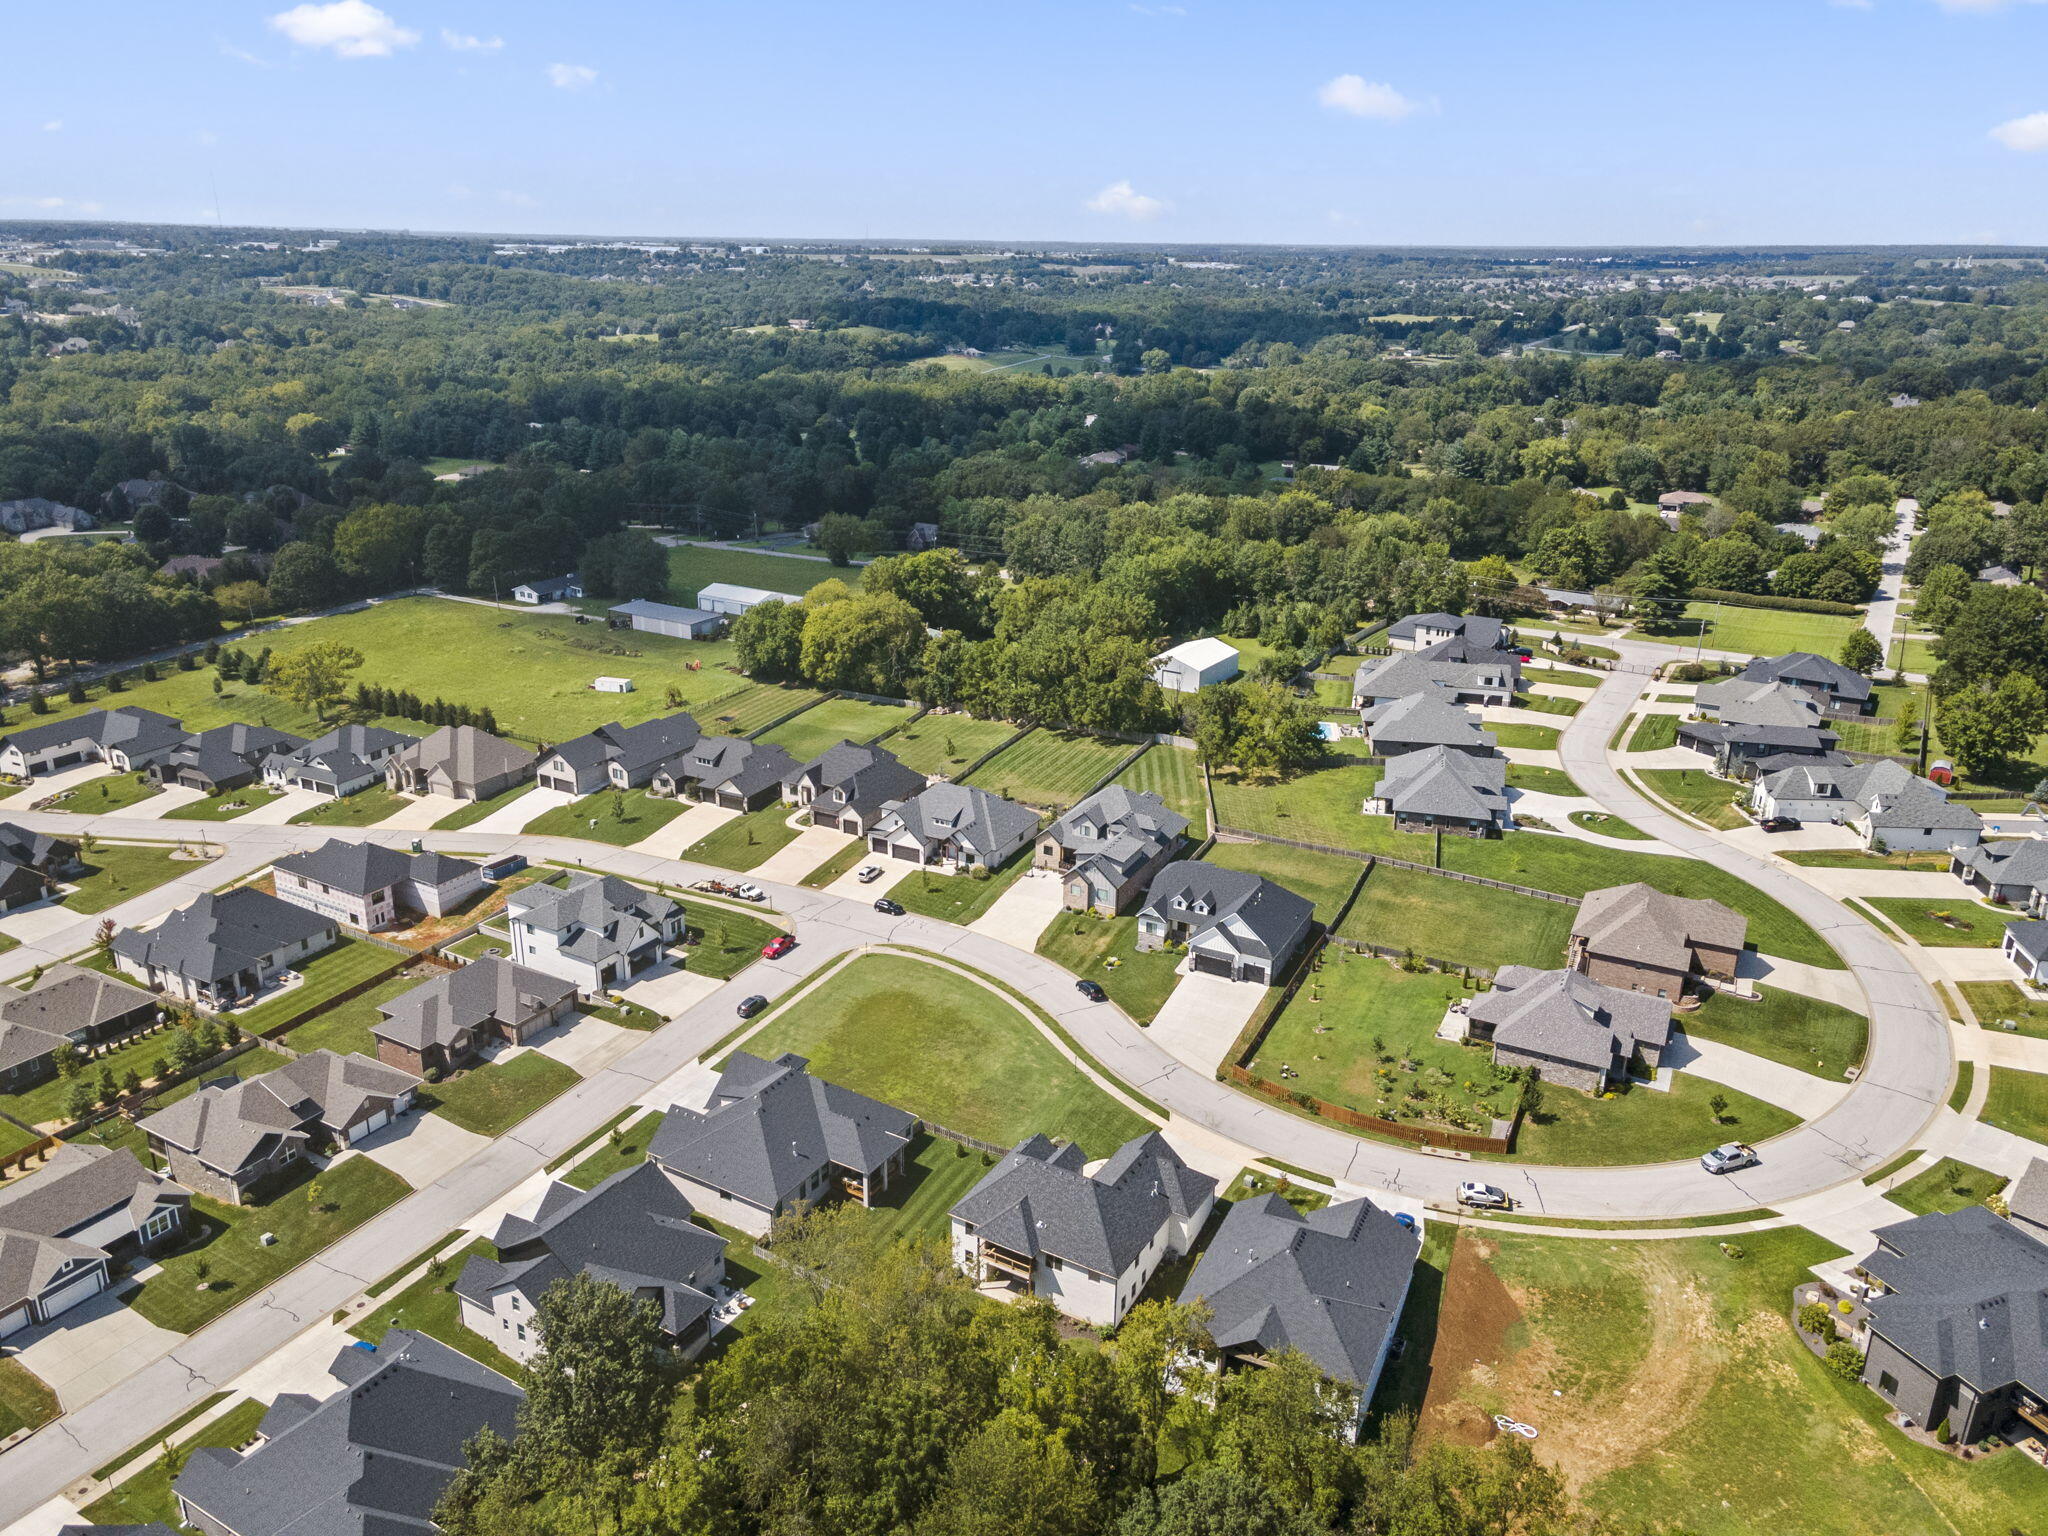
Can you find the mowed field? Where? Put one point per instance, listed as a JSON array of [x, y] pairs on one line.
[[1174, 774], [694, 566], [1050, 770], [945, 744], [836, 720], [1762, 631]]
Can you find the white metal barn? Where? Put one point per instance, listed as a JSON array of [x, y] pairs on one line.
[[724, 597], [1194, 664]]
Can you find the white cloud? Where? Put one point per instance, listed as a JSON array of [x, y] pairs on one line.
[[571, 77], [54, 125], [469, 42], [1121, 198], [2027, 134], [354, 29], [1366, 98], [244, 56]]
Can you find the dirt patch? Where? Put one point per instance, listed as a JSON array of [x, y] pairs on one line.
[[1471, 1342]]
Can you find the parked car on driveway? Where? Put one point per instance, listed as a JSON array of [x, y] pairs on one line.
[[1729, 1157], [749, 1006], [777, 947], [1490, 1197], [870, 873], [1092, 990], [1780, 823], [893, 908]]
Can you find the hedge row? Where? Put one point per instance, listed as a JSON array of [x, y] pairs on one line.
[[1764, 600]]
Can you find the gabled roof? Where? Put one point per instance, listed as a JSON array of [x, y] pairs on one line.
[[1118, 830], [468, 755], [1570, 1017], [863, 778], [550, 586], [1426, 720], [128, 727], [341, 756], [731, 592], [356, 868], [633, 747], [70, 997], [1199, 654], [1640, 922], [640, 608], [229, 750], [771, 1125], [1438, 781], [733, 762], [78, 1184], [230, 1125], [437, 1010], [2013, 861], [1329, 1284], [1401, 673], [2030, 937], [1968, 1297], [1745, 701], [220, 934], [1038, 1201], [973, 817], [1474, 627], [34, 850], [1261, 918], [2027, 1199], [599, 915], [1814, 671]]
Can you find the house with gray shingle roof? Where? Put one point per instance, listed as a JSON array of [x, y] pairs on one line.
[[1421, 720], [1568, 1028], [61, 1225], [1418, 631], [1329, 1284], [632, 1231], [339, 763], [458, 761], [1233, 922], [1836, 688], [224, 948], [847, 785], [616, 756], [952, 824], [773, 1136], [1107, 849], [593, 930], [31, 864], [68, 1005], [1439, 789], [730, 771], [127, 740], [231, 1135], [1087, 1243], [447, 1021], [1742, 723], [1640, 939], [369, 886], [1959, 1334], [1884, 801], [226, 757], [2011, 870], [2026, 1202], [2025, 944], [373, 1459], [1442, 672]]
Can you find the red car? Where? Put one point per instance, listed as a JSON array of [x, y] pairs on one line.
[[777, 947]]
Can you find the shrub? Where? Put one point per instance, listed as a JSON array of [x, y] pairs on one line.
[[1814, 1317], [1943, 1433], [1845, 1306], [1760, 600], [1845, 1360]]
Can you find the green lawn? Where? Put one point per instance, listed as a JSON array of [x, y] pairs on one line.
[[334, 970], [491, 1099], [2018, 1102], [722, 942], [111, 792], [117, 872], [238, 1263], [1463, 924], [1084, 944], [1608, 826], [623, 817], [225, 806], [481, 946], [1535, 738], [1327, 1034], [477, 810], [1563, 676], [1993, 1002], [1958, 1096], [1540, 780], [747, 711], [956, 898], [1969, 924], [1324, 878], [836, 720], [626, 1149], [692, 566], [1174, 774], [1761, 631], [1643, 1125], [346, 1027], [1653, 733], [946, 1049], [429, 1305], [25, 1402], [840, 862], [364, 808], [147, 1496], [1550, 703], [745, 841], [946, 744], [1698, 793], [1050, 770], [1321, 805], [1251, 1183], [1860, 858], [45, 1102], [918, 1205], [1804, 1032], [1948, 1186]]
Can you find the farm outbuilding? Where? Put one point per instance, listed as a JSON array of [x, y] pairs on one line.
[[725, 597], [667, 619]]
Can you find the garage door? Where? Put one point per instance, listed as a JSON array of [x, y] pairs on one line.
[[71, 1295], [1252, 973], [1209, 965], [371, 1126], [13, 1322], [562, 785]]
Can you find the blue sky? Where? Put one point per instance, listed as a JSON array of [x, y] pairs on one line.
[[1428, 121]]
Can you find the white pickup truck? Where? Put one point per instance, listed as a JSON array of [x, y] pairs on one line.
[[1728, 1157]]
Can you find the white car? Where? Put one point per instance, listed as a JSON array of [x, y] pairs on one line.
[[751, 893], [1729, 1157], [1485, 1196], [870, 874]]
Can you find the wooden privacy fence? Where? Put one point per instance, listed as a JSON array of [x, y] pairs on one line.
[[947, 1133]]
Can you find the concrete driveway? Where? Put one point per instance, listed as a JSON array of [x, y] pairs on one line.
[[851, 885], [416, 815], [1024, 911], [670, 840], [669, 989], [1202, 1018], [68, 778], [515, 814], [160, 805], [91, 1348], [420, 1148], [585, 1045], [281, 810], [1812, 834], [1803, 1093], [1830, 986], [812, 847], [29, 924]]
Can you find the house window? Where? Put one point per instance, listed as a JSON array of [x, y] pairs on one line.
[[1052, 1261], [1887, 1383], [515, 1303], [522, 1332], [158, 1225]]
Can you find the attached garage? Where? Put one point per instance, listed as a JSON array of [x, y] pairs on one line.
[[55, 1303], [371, 1126], [14, 1321], [1211, 965]]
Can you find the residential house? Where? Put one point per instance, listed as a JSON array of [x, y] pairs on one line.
[[1959, 1333], [1420, 631], [1233, 922], [667, 619], [1419, 722], [1640, 939], [1673, 505], [199, 569], [1194, 664], [1441, 673], [593, 930], [733, 600], [921, 536], [372, 1459], [339, 763], [2026, 1200], [226, 757], [31, 865], [68, 1005], [369, 886], [63, 1226], [955, 824], [1329, 1283], [224, 948], [551, 589], [446, 1022], [1883, 801], [2011, 871], [1440, 789], [28, 513], [229, 1138], [1838, 689], [138, 494], [773, 1137], [1746, 726], [460, 762], [731, 771], [847, 786], [1107, 849], [616, 756], [2025, 944], [127, 740], [1087, 1243], [632, 1231], [1568, 1028]]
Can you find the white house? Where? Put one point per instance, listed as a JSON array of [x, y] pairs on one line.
[[1194, 664], [1883, 801], [369, 886], [594, 930], [725, 597], [613, 685], [1087, 1243], [2026, 946], [552, 590]]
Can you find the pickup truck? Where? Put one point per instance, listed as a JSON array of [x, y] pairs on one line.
[[1729, 1157]]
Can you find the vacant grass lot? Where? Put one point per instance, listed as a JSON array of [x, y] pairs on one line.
[[1948, 1186], [117, 872], [237, 1263], [1085, 944], [943, 745], [225, 806], [1860, 858], [955, 898], [364, 808], [623, 817], [917, 1205], [1654, 732], [1993, 1002], [626, 1148], [147, 1496], [1698, 793], [1464, 924], [946, 1049], [693, 566], [1761, 631], [1324, 878], [836, 720], [1174, 774], [1959, 924], [1320, 805], [1050, 770], [745, 841], [1804, 1032], [491, 1099], [334, 970], [1643, 1125], [1540, 780], [721, 942], [1533, 738], [110, 792], [345, 1028], [2018, 1102], [1550, 703]]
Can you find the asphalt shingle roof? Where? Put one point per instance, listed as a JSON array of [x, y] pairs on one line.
[[1640, 922], [1570, 1017], [1038, 1201], [1814, 671], [978, 820], [77, 1184], [229, 1125], [862, 778], [220, 934], [434, 1012], [356, 868], [1425, 720], [68, 998], [1473, 627], [468, 755], [1275, 919], [1968, 1297], [1440, 781]]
